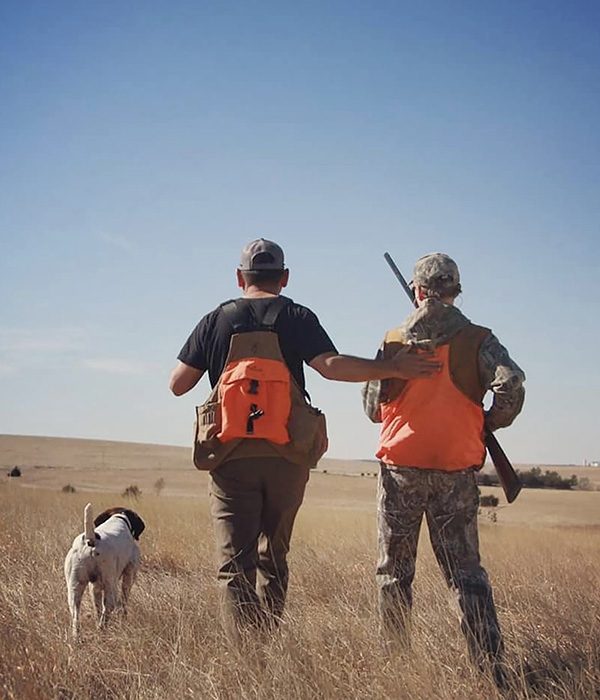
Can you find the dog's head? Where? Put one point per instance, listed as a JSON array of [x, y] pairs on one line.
[[137, 524]]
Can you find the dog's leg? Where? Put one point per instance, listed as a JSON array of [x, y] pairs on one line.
[[74, 595], [110, 601], [98, 603], [127, 580]]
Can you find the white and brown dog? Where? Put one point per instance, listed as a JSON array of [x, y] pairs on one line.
[[105, 553]]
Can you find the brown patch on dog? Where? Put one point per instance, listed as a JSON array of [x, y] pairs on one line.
[[137, 524]]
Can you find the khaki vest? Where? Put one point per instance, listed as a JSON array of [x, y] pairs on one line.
[[306, 425]]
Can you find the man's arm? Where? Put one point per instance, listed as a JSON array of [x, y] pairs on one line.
[[184, 378], [501, 375], [346, 368]]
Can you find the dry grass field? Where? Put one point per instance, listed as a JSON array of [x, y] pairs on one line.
[[542, 554]]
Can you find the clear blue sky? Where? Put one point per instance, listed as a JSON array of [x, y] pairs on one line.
[[143, 144]]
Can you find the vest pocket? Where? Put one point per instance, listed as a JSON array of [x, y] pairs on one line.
[[208, 452], [308, 432], [255, 401], [208, 421]]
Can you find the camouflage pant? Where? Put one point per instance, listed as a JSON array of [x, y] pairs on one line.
[[450, 502]]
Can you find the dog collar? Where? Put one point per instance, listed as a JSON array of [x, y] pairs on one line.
[[126, 519]]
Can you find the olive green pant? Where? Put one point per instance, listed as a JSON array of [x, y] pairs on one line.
[[254, 502]]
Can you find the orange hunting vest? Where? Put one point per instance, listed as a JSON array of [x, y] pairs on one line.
[[257, 409], [437, 422]]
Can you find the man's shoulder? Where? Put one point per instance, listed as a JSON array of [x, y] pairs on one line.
[[298, 309], [209, 320], [475, 330], [291, 311], [213, 313], [395, 335], [288, 306], [480, 326], [296, 312]]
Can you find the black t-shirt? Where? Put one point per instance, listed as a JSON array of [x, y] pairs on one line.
[[301, 337]]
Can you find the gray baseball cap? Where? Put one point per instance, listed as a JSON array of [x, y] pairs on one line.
[[262, 254], [436, 270]]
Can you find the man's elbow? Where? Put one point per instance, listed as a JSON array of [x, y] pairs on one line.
[[176, 388], [326, 365], [179, 385], [183, 378], [327, 370]]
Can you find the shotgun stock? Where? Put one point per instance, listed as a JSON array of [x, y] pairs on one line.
[[508, 477]]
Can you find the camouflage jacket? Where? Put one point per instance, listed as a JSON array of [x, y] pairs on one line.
[[434, 324]]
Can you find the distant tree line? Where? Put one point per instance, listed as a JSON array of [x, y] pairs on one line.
[[534, 479]]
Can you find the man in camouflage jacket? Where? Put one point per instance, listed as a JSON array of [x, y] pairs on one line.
[[431, 445]]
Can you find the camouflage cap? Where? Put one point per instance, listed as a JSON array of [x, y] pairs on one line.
[[436, 270], [261, 254]]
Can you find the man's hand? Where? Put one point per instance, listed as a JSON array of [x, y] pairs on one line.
[[411, 364]]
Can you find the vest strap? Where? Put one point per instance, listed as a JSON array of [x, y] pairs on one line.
[[272, 313], [233, 310]]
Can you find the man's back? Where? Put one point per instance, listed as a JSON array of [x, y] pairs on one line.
[[301, 336]]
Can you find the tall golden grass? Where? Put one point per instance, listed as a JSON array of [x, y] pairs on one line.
[[172, 644]]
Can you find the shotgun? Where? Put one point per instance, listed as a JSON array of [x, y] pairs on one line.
[[509, 479]]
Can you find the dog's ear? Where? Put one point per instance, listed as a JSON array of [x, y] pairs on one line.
[[137, 524], [106, 514]]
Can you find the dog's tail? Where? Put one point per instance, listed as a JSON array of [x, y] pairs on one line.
[[88, 525]]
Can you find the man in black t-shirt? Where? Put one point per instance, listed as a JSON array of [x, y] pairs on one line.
[[255, 494], [301, 337]]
